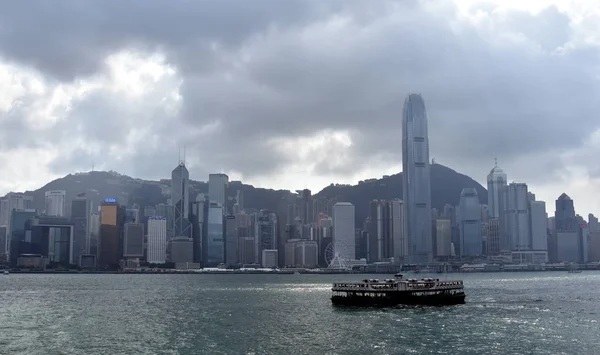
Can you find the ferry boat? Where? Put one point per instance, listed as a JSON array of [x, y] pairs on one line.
[[398, 291], [574, 271]]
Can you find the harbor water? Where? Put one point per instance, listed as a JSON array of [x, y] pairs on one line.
[[505, 313]]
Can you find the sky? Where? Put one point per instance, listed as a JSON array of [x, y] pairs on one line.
[[301, 93]]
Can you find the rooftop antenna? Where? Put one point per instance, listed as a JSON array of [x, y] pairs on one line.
[[92, 165], [183, 155], [496, 162]]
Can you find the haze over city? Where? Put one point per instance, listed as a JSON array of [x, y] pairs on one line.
[[301, 94]]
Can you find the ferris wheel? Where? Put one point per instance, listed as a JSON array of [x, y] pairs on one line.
[[332, 255]]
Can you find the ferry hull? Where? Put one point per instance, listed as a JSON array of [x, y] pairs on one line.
[[401, 298]]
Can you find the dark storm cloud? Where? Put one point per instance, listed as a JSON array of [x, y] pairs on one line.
[[258, 70]]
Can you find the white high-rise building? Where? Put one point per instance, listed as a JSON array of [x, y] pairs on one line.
[[55, 202], [343, 230], [416, 184], [517, 217], [157, 240], [217, 189]]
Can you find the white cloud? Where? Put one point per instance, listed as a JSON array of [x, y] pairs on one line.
[[304, 95]]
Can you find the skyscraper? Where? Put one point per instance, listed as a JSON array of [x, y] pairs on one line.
[[496, 184], [214, 244], [111, 229], [517, 217], [265, 235], [55, 202], [344, 240], [133, 240], [80, 215], [416, 180], [217, 189], [180, 192], [470, 223], [157, 240]]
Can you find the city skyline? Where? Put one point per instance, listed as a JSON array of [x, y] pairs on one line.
[[283, 111]]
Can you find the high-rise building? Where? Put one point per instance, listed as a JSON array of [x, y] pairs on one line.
[[55, 202], [157, 240], [197, 219], [564, 217], [306, 253], [443, 238], [231, 241], [265, 234], [215, 244], [52, 237], [492, 236], [305, 205], [180, 192], [496, 184], [94, 233], [133, 241], [470, 223], [416, 184], [17, 235], [80, 215], [399, 241], [167, 211], [217, 189], [344, 242], [517, 217], [180, 250], [12, 201], [377, 230], [112, 216], [539, 225]]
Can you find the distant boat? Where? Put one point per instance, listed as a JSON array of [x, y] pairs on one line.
[[574, 271], [6, 272]]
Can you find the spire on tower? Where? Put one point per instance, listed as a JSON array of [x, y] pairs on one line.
[[495, 162]]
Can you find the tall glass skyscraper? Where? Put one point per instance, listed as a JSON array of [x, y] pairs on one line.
[[416, 180], [180, 192], [496, 184]]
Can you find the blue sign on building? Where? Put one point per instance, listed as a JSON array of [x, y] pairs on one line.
[[110, 200]]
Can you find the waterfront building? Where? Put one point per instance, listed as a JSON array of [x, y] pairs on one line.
[[470, 223], [269, 258], [133, 241], [157, 240], [112, 216], [231, 241], [80, 215], [215, 241], [343, 230], [180, 192], [443, 238], [265, 224], [517, 217]]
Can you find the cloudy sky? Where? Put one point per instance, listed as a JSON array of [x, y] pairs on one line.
[[300, 93]]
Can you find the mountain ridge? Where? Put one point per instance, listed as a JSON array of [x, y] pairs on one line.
[[446, 185]]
